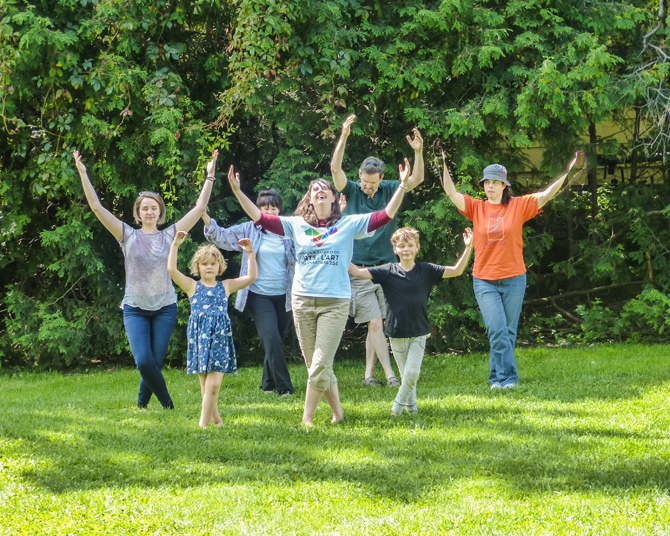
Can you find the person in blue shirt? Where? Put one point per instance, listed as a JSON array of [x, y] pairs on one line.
[[268, 299]]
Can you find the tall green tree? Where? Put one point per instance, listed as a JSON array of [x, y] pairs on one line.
[[145, 90]]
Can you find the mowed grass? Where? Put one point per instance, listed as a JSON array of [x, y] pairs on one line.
[[581, 447]]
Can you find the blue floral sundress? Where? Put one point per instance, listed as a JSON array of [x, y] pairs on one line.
[[210, 337]]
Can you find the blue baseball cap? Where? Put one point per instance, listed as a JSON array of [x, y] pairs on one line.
[[495, 172]]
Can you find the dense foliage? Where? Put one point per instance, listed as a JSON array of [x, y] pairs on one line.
[[146, 89]]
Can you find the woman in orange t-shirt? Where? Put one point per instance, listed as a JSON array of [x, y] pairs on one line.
[[499, 272]]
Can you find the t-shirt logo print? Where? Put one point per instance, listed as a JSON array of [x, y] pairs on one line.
[[496, 229], [320, 238]]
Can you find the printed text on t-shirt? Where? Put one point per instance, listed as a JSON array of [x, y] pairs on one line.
[[319, 257]]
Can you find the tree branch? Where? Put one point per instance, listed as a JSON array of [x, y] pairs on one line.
[[550, 299], [659, 23]]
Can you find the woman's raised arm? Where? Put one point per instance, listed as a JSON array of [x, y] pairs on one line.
[[547, 195], [449, 188], [111, 222], [193, 215], [247, 204]]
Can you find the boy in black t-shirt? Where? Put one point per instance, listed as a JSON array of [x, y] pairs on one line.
[[407, 286]]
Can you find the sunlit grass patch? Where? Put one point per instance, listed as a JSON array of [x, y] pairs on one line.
[[582, 446]]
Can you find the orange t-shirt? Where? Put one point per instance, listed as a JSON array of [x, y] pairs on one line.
[[498, 235]]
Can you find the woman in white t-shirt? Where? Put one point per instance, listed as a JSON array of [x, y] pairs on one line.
[[150, 301], [324, 242]]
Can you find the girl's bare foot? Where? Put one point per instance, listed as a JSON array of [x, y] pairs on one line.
[[308, 423], [337, 418]]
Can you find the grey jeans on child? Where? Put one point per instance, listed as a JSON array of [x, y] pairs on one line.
[[408, 355]]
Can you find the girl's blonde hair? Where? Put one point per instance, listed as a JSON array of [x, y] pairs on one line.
[[405, 234], [204, 253], [155, 197]]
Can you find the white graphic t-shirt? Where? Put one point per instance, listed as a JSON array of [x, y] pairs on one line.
[[324, 254]]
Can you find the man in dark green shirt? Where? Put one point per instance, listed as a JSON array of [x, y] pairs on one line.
[[370, 194]]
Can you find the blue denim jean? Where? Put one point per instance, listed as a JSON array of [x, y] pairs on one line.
[[500, 303], [149, 334]]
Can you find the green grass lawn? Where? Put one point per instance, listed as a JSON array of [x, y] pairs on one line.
[[582, 446]]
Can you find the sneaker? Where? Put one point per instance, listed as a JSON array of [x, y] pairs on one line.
[[285, 394], [371, 382], [496, 385], [509, 386], [268, 391], [393, 382]]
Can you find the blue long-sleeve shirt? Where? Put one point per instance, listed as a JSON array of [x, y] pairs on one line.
[[227, 238]]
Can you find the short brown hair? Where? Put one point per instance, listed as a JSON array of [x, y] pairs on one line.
[[155, 197], [205, 252], [405, 234], [372, 165]]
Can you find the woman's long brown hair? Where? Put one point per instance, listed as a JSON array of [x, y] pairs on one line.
[[306, 210]]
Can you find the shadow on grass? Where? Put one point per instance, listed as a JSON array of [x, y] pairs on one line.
[[524, 441]]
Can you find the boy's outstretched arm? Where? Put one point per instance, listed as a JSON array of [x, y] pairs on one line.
[[458, 268], [363, 273]]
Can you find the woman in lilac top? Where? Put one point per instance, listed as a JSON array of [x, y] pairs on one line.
[[324, 241], [150, 301]]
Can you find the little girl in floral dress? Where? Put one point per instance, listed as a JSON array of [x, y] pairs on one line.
[[211, 352]]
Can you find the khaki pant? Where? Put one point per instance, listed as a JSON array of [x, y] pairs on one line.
[[319, 323], [367, 300]]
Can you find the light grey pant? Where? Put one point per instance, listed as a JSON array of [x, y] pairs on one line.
[[319, 323], [408, 355]]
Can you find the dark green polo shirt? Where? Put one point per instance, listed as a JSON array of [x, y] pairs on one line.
[[377, 249]]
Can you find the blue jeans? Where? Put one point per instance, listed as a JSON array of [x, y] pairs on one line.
[[500, 302], [272, 321], [149, 334]]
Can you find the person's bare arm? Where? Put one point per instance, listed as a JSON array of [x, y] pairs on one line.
[[362, 273], [206, 219], [417, 175], [396, 200], [458, 268], [456, 197], [247, 204], [108, 220], [339, 178], [550, 192], [233, 285], [193, 215], [182, 281]]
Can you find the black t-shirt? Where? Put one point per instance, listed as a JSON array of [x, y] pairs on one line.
[[406, 295]]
